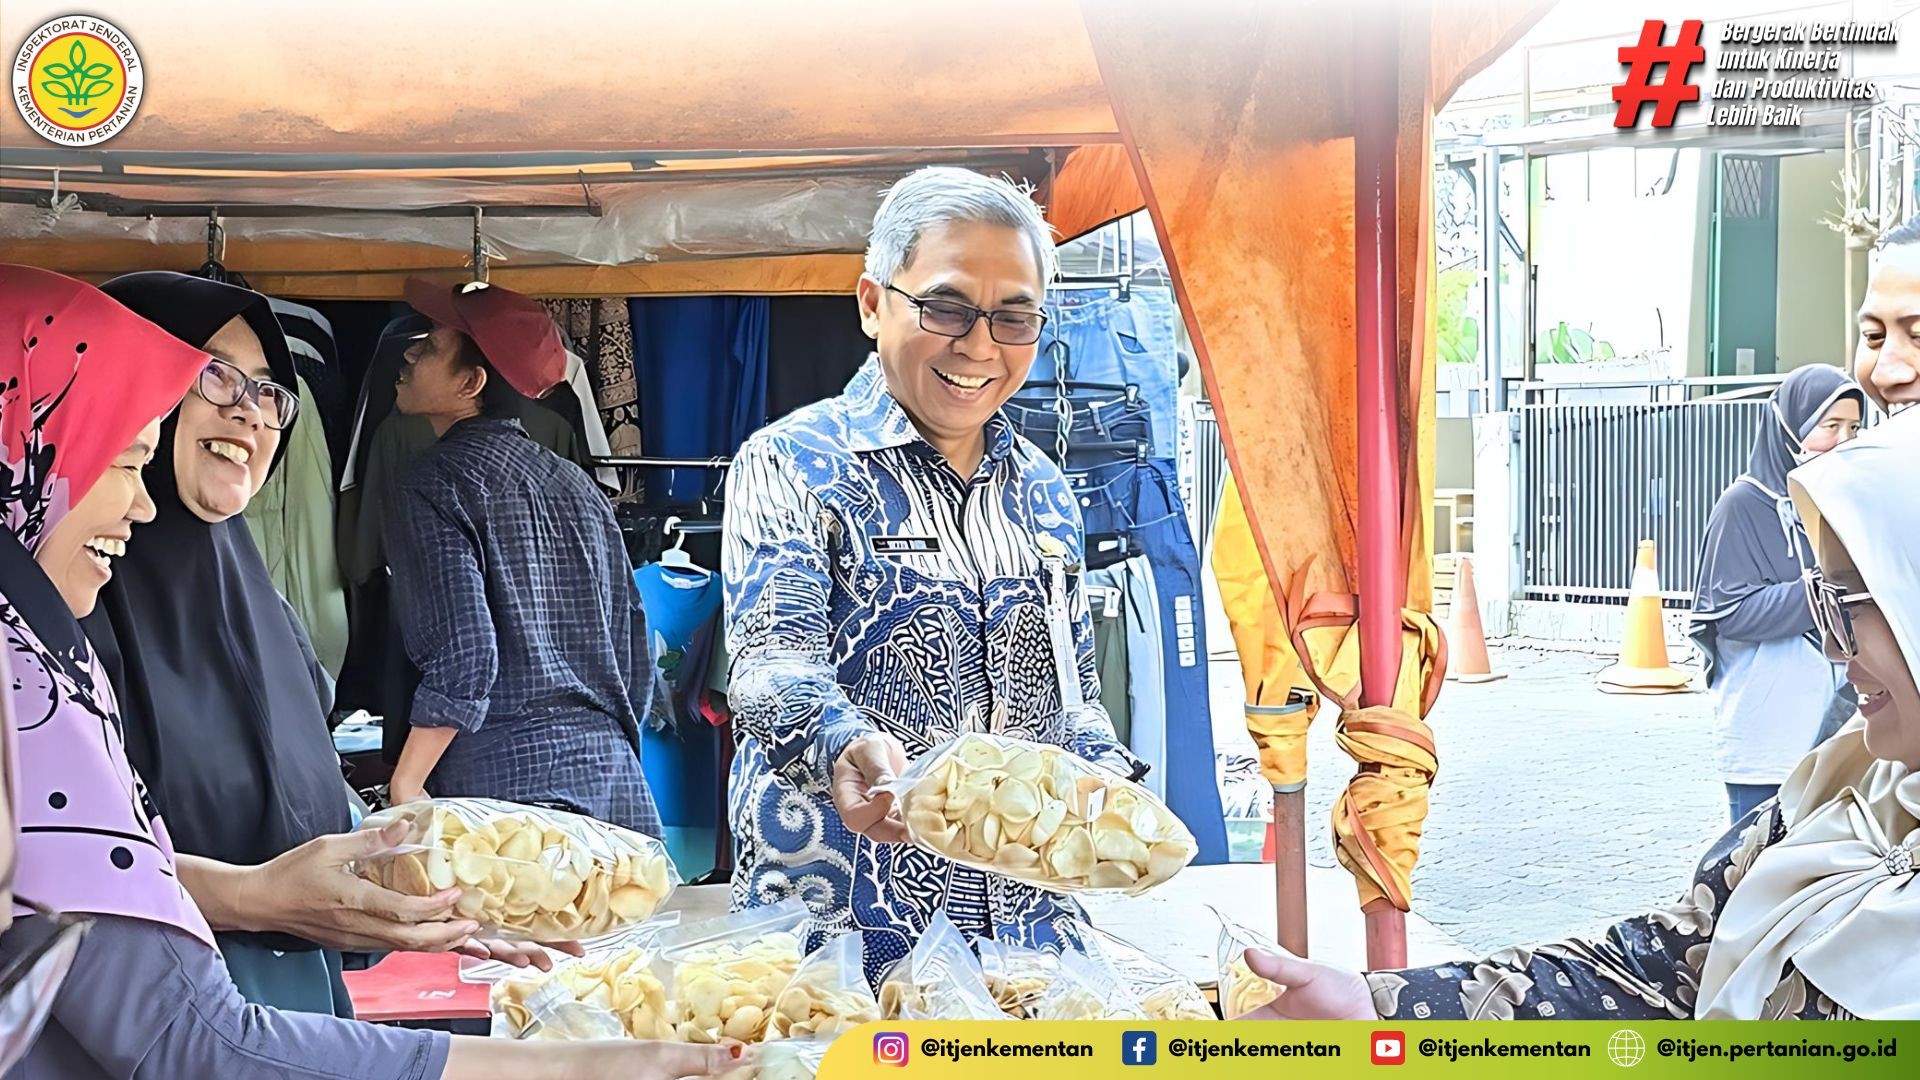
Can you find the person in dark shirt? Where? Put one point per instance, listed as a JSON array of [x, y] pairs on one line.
[[511, 584]]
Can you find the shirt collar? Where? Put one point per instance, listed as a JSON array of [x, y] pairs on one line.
[[875, 421]]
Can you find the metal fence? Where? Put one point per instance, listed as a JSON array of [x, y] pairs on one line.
[[1596, 479], [1207, 473]]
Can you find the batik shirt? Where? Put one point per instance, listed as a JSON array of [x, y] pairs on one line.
[[871, 588]]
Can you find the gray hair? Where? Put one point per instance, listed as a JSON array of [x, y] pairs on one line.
[[945, 195]]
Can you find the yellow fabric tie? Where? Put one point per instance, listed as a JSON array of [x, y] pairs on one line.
[[1378, 820]]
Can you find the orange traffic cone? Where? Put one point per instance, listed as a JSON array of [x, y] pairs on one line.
[[1643, 667], [1466, 638]]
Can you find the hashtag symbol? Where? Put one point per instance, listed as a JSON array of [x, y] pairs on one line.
[[1670, 91]]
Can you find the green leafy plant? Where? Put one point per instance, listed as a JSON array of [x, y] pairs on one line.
[[77, 81], [1572, 345], [1458, 334]]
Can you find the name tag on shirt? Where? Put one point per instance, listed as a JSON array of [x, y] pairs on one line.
[[906, 545]]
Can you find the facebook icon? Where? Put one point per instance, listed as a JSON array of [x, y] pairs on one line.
[[1138, 1048]]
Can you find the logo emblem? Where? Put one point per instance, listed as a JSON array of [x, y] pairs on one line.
[[891, 1048], [1138, 1048], [77, 80], [1389, 1048]]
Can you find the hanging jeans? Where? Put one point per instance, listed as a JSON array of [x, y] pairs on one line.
[[1142, 502], [1101, 427], [1146, 682], [1111, 340]]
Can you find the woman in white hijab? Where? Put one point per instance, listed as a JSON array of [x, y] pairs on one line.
[[1810, 907]]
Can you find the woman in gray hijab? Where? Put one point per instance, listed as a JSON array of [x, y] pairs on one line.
[[1772, 689]]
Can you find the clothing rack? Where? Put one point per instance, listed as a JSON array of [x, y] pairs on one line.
[[1122, 284], [690, 528], [662, 463]]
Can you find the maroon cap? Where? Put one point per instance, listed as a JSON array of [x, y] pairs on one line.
[[515, 333]]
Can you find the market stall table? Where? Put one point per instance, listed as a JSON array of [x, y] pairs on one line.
[[1173, 923]]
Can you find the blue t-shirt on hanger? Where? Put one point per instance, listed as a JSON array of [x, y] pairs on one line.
[[678, 603]]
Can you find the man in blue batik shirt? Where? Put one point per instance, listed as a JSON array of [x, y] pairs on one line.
[[902, 567]]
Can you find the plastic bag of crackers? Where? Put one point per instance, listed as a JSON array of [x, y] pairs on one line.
[[1016, 975], [524, 873], [1087, 988], [1163, 993], [610, 993], [940, 979], [1241, 991], [1041, 814], [724, 975], [828, 994]]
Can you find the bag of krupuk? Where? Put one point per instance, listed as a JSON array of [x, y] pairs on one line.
[[1087, 989], [1163, 993], [525, 873], [940, 979], [828, 995], [610, 993], [1016, 975], [724, 974], [1040, 814], [1241, 991]]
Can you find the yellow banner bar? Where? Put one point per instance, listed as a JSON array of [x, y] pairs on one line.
[[1224, 1051]]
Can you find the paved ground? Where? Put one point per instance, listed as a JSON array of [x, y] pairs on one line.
[[1557, 807]]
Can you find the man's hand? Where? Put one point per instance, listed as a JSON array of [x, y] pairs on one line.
[[1312, 990], [869, 762], [309, 893]]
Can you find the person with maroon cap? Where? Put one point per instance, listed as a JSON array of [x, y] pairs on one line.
[[511, 583]]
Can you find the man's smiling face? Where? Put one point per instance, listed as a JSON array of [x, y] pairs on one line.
[[952, 386]]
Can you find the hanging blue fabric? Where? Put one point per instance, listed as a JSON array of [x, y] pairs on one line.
[[700, 363]]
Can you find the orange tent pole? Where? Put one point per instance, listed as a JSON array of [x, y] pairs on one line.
[[1382, 591]]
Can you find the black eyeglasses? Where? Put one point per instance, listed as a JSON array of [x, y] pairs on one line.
[[950, 318], [223, 386], [1831, 615], [31, 982]]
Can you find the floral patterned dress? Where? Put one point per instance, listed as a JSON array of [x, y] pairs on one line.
[[1644, 968]]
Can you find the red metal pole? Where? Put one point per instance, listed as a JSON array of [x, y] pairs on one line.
[[1382, 583], [1290, 868]]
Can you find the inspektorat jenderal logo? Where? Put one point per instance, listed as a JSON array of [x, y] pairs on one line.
[[77, 80]]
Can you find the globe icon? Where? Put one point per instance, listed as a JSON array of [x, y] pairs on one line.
[[1626, 1048]]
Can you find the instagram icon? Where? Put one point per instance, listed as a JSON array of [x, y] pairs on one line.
[[890, 1048]]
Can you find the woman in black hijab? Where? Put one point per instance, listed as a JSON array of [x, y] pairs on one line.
[[224, 703], [1771, 686]]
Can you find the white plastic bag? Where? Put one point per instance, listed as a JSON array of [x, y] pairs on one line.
[[525, 873], [724, 974], [1241, 991], [610, 993], [1163, 993], [828, 996], [1041, 814], [1017, 976], [1085, 989], [940, 979]]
